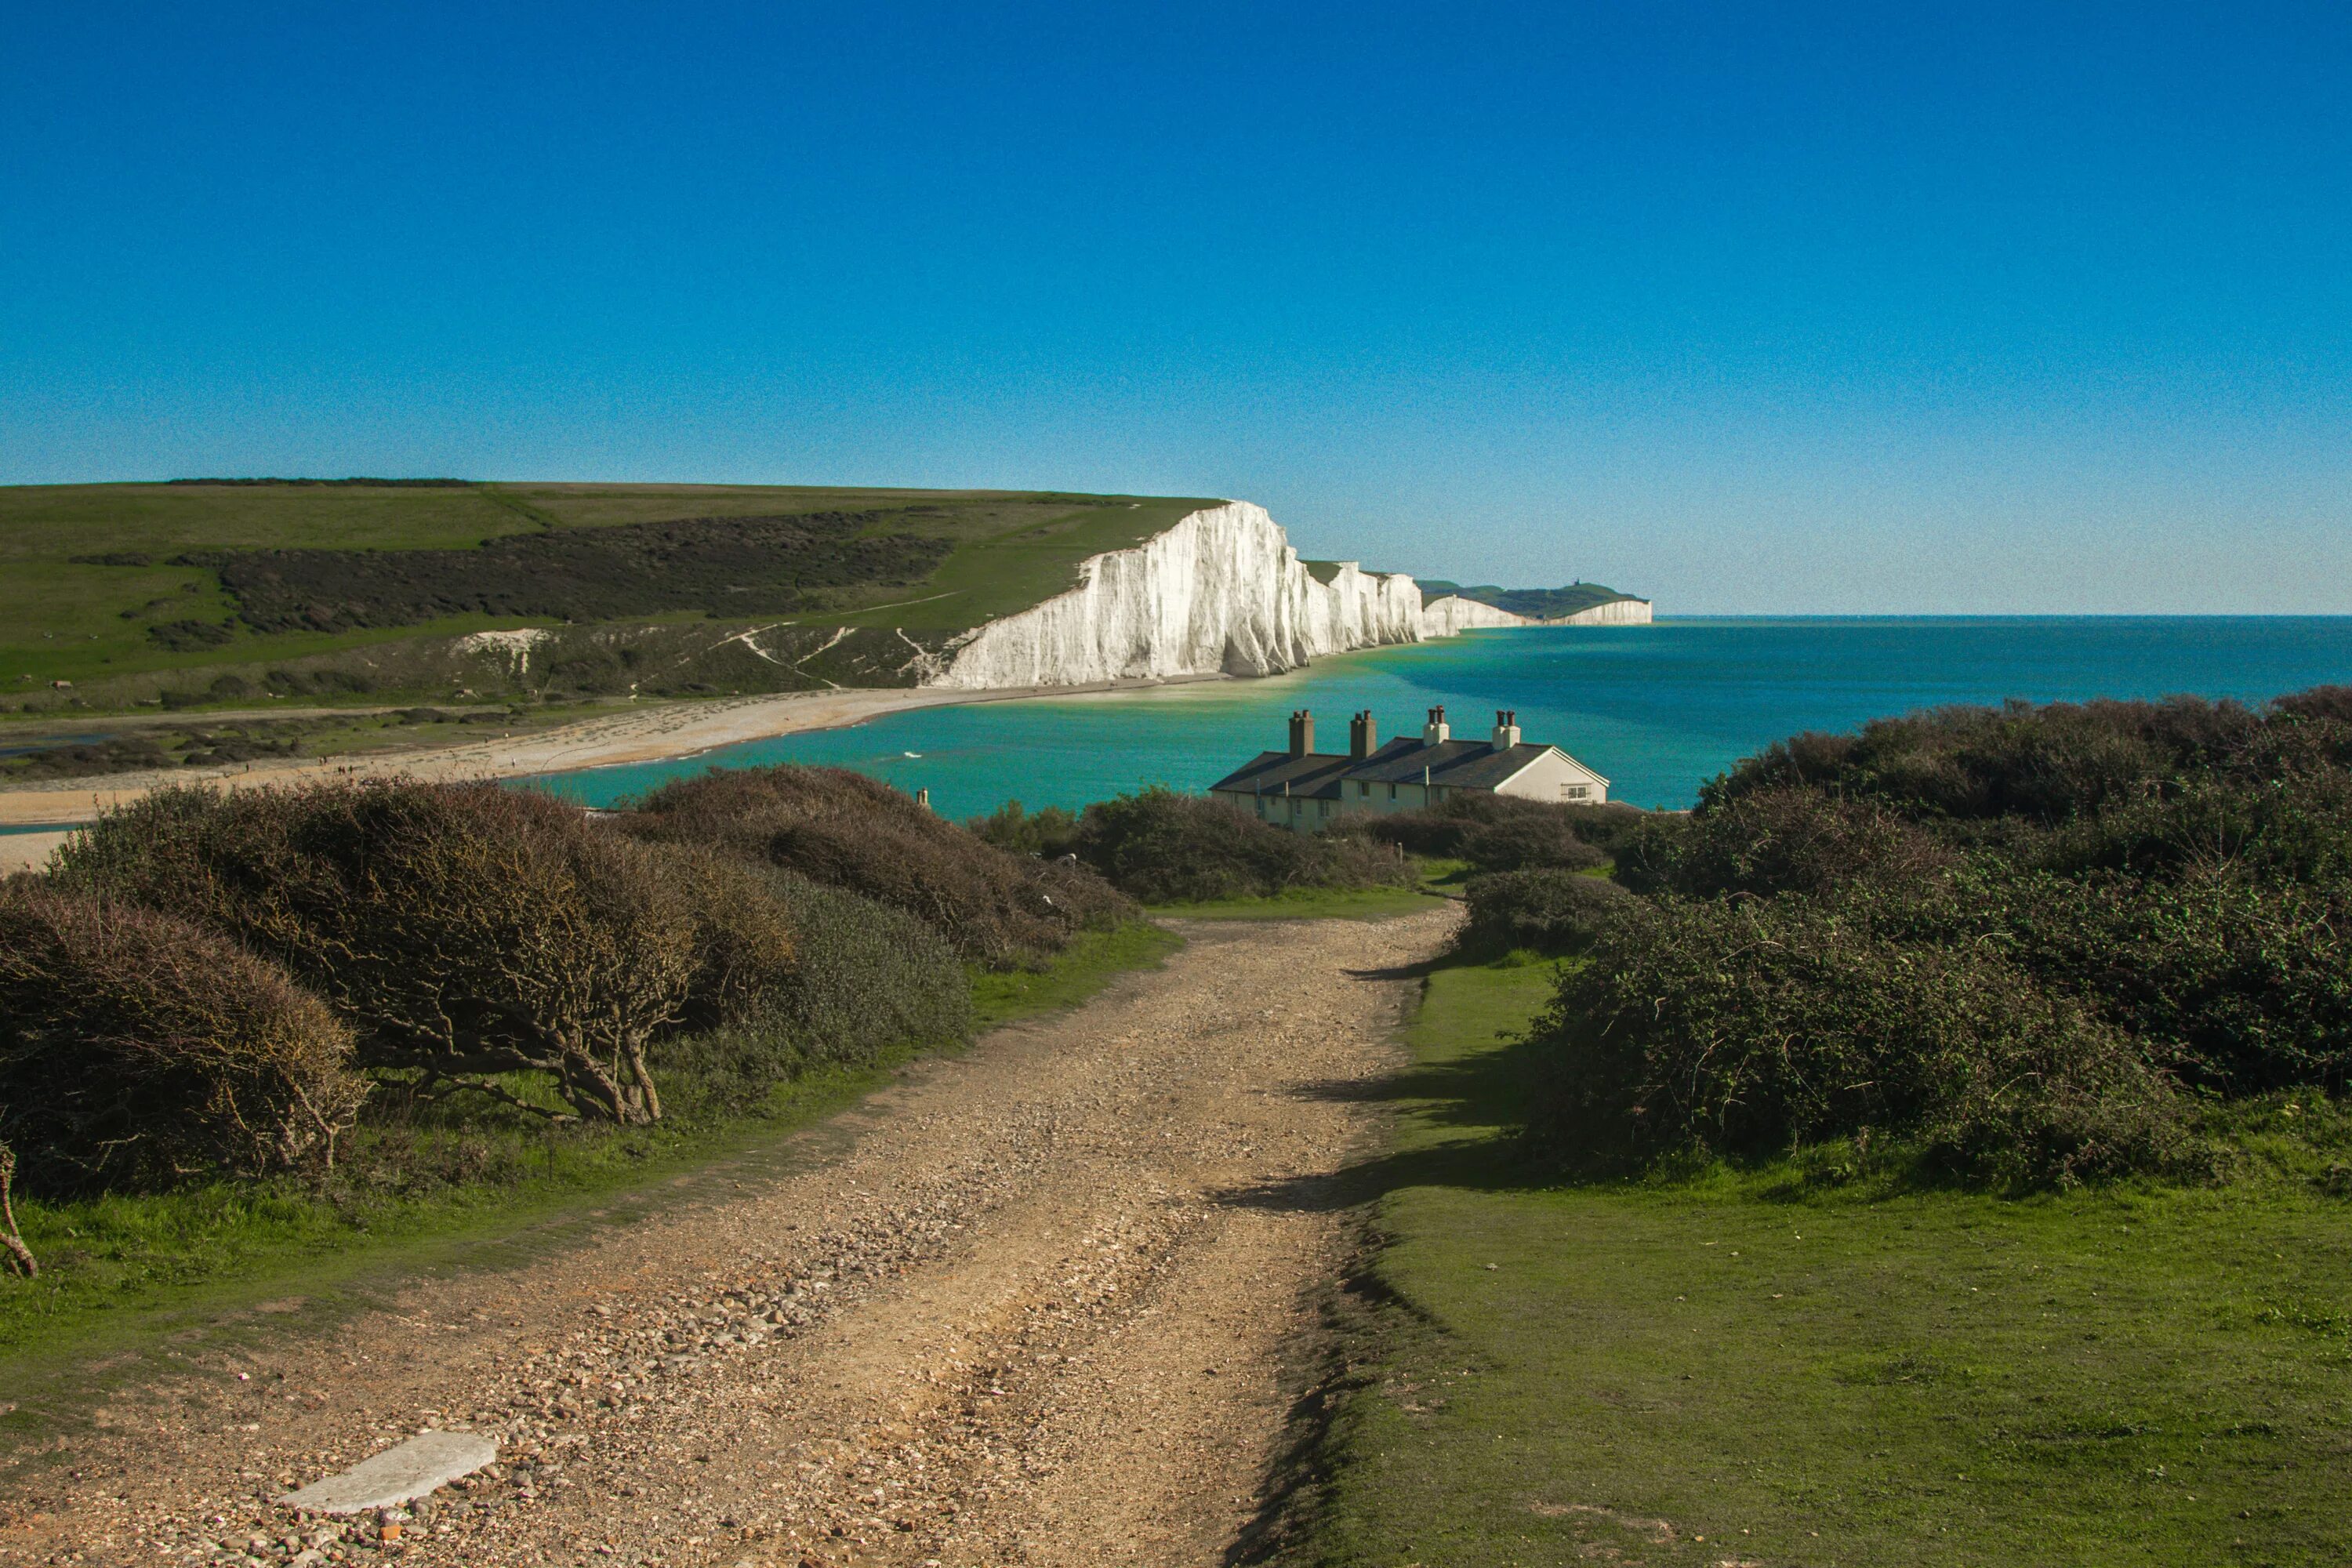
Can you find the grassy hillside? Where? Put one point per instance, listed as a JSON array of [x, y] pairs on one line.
[[101, 585]]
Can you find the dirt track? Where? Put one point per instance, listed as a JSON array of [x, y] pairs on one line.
[[1038, 1314]]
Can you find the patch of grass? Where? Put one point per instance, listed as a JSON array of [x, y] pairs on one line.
[[1808, 1374], [1092, 961], [1307, 904], [1435, 879]]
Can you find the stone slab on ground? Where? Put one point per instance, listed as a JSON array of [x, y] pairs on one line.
[[402, 1472]]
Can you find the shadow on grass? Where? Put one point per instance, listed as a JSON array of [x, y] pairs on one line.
[[1468, 1114]]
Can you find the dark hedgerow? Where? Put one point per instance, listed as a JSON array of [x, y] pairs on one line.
[[138, 1050]]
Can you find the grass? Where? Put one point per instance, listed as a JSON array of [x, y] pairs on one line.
[[64, 620], [1078, 972], [125, 1274], [1730, 1365], [1437, 878]]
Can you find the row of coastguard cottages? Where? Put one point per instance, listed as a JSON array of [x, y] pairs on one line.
[[1304, 789]]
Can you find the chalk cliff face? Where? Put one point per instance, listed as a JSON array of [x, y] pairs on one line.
[[1616, 613], [1443, 617], [1221, 593]]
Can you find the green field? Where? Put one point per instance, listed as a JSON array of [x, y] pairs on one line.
[[91, 624], [1735, 1366]]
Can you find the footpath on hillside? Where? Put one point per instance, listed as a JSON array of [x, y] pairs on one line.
[[1039, 1314]]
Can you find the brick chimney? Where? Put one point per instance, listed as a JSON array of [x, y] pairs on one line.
[[1506, 728], [1363, 736], [1302, 733], [1436, 732]]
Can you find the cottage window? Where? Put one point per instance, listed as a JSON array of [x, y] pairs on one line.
[[1391, 792], [1363, 790], [1574, 791]]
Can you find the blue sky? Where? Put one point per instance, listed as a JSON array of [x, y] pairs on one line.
[[1840, 309]]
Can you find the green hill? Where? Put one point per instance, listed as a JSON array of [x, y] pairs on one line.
[[1538, 603], [228, 589]]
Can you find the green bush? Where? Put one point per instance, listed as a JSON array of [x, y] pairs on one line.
[[849, 831], [1165, 847], [464, 931], [868, 979], [138, 1050], [1752, 1028], [1543, 908], [1047, 834], [1779, 840], [2161, 890]]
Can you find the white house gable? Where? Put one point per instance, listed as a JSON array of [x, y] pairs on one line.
[[1556, 777]]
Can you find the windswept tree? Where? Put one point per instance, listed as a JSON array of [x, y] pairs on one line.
[[138, 1050], [466, 932]]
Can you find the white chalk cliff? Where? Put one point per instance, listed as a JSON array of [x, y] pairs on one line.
[[1615, 613], [1222, 593], [1444, 617]]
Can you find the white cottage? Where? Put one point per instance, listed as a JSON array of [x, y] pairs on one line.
[[1305, 789]]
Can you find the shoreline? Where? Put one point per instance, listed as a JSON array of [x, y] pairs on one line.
[[38, 818]]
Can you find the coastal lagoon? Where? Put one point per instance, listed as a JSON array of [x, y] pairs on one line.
[[1658, 708]]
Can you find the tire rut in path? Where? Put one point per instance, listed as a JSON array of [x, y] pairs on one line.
[[1033, 1316]]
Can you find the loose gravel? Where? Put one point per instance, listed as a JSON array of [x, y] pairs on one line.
[[1038, 1313]]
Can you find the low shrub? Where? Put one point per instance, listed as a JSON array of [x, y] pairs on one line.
[[464, 931], [1165, 847], [1779, 840], [138, 1050], [849, 831], [1501, 832], [1544, 909], [1752, 1028], [1047, 835], [868, 979], [1527, 839]]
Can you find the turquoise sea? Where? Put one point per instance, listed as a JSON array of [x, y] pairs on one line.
[[1657, 708]]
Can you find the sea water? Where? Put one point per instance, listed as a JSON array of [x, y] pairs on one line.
[[1657, 708]]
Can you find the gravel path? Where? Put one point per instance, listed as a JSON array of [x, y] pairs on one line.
[[1038, 1314]]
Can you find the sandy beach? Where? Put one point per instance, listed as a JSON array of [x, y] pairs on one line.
[[636, 736]]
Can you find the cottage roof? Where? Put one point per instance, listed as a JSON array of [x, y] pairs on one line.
[[1309, 776], [1458, 764]]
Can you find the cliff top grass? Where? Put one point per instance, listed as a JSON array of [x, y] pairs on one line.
[[88, 586]]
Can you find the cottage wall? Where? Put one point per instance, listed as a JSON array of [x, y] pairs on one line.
[[1556, 777]]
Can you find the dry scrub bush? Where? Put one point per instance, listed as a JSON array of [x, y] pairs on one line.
[[466, 930], [849, 831], [137, 1051]]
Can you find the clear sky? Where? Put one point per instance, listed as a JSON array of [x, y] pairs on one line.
[[1750, 306]]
